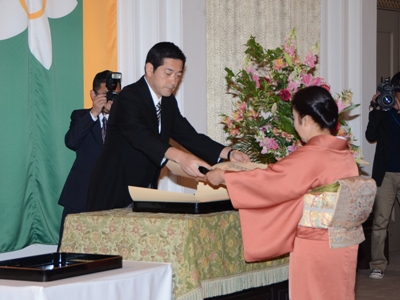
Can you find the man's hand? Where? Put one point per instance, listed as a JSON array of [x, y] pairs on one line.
[[189, 163], [99, 102], [373, 101]]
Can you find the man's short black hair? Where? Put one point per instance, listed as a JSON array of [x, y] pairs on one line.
[[99, 79], [162, 50], [395, 79]]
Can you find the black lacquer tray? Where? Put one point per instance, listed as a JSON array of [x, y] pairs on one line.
[[58, 265], [182, 207]]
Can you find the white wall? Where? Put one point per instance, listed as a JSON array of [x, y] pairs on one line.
[[29, 251], [348, 58], [194, 45]]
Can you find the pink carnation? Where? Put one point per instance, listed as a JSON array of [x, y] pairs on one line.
[[310, 59], [250, 70], [290, 49], [256, 79], [292, 86], [267, 144], [242, 106]]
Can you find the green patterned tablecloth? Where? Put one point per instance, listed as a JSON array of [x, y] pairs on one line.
[[206, 250]]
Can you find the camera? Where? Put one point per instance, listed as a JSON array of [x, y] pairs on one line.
[[387, 99], [113, 78]]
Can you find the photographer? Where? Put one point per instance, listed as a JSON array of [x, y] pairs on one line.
[[86, 137], [384, 129]]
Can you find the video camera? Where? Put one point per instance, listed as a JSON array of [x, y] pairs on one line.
[[387, 99], [113, 78]]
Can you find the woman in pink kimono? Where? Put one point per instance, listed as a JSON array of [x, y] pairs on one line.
[[270, 203]]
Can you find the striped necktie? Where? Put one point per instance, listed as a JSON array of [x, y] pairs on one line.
[[104, 128], [158, 110]]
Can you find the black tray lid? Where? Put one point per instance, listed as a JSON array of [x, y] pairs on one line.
[[58, 265], [182, 207]]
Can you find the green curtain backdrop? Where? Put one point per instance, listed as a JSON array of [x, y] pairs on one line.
[[36, 105]]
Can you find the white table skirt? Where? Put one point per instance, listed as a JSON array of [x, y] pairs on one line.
[[134, 281]]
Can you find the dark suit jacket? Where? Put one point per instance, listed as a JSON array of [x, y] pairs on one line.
[[134, 149], [378, 131], [83, 137]]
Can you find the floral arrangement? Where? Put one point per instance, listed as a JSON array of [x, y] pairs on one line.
[[261, 123]]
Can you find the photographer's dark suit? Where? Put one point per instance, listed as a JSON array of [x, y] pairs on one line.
[[133, 151], [384, 129], [83, 137], [378, 130]]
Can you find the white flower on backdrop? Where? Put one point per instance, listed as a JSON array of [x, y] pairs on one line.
[[17, 15]]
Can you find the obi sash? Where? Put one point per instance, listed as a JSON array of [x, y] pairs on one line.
[[340, 207]]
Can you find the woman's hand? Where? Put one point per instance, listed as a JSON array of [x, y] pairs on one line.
[[215, 176], [237, 156]]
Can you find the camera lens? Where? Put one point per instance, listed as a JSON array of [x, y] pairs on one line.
[[387, 100]]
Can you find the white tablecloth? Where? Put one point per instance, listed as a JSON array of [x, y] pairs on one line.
[[134, 281]]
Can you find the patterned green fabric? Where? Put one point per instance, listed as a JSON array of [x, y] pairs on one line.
[[332, 188], [206, 251]]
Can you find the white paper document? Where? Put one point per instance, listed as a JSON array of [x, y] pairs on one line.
[[204, 193]]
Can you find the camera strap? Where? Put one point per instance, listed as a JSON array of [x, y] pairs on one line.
[[394, 117]]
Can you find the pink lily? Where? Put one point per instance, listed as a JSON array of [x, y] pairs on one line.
[[308, 80], [341, 105]]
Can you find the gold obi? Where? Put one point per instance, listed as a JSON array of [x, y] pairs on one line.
[[340, 207]]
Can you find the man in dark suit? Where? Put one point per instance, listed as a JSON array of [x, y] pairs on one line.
[[384, 129], [85, 137], [137, 144]]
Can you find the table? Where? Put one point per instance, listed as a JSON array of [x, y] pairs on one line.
[[205, 251], [134, 281]]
